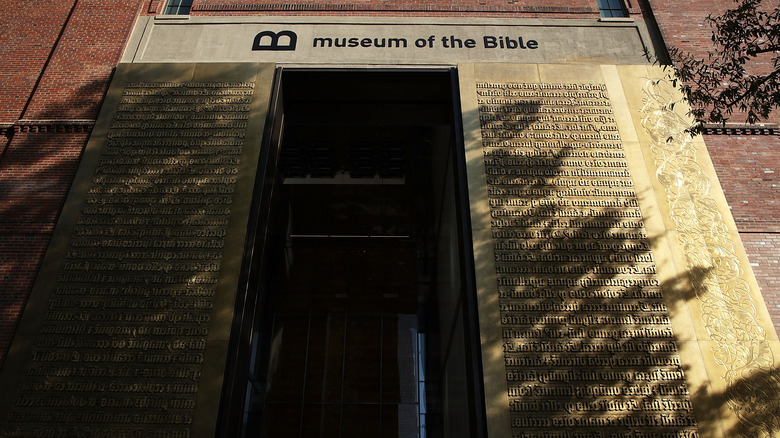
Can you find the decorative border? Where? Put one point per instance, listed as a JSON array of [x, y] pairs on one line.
[[728, 309]]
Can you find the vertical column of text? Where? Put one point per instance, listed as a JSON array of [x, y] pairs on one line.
[[122, 342], [588, 345]]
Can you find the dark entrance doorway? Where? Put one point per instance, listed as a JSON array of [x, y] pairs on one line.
[[358, 318]]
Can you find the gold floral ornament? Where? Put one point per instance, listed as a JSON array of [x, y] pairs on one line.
[[728, 309]]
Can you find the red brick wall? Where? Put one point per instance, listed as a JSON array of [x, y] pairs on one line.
[[762, 250], [684, 27], [748, 169], [20, 254], [28, 31], [58, 56], [35, 174], [76, 79]]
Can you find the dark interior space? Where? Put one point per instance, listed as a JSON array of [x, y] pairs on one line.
[[359, 327]]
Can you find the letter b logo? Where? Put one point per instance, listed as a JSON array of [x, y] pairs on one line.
[[269, 40]]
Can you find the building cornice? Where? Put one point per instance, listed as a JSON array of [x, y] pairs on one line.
[[741, 129], [59, 126]]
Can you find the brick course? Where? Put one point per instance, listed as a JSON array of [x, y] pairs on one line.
[[441, 8]]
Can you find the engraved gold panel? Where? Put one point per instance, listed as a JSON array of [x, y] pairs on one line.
[[560, 234], [585, 331], [127, 327]]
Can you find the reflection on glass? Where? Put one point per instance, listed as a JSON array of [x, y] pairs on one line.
[[345, 357]]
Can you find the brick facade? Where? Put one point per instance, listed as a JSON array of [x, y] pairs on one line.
[[58, 56], [25, 46], [75, 80], [764, 258], [35, 174], [748, 169]]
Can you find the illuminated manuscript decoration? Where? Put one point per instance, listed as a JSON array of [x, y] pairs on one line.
[[728, 310]]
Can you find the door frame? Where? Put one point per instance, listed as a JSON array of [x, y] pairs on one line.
[[253, 301]]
